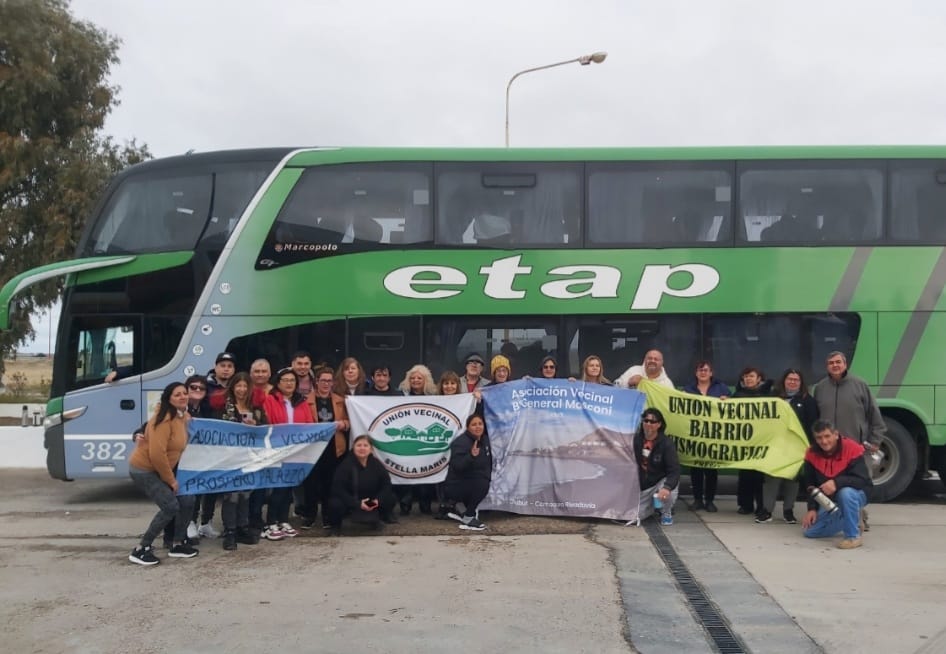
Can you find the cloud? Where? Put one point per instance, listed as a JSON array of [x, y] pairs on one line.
[[219, 74]]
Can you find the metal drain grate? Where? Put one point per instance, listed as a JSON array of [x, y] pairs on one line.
[[706, 612]]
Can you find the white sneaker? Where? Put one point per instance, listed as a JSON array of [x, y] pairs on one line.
[[273, 532], [192, 531], [288, 530], [207, 531]]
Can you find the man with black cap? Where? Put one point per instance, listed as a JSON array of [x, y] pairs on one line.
[[218, 379], [473, 378]]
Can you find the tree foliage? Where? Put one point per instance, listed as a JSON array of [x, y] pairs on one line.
[[54, 160]]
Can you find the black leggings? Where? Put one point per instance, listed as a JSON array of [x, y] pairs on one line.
[[469, 491], [749, 490], [704, 481]]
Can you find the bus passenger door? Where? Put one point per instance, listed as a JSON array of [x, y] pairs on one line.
[[99, 417]]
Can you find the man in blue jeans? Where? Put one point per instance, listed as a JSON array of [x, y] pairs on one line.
[[835, 465]]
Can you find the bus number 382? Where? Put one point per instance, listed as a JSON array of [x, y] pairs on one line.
[[103, 451]]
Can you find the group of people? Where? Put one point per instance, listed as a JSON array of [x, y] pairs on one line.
[[350, 483], [840, 417]]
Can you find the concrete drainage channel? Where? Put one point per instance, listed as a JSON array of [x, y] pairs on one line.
[[685, 593], [707, 614]]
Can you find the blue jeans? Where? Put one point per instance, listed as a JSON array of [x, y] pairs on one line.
[[646, 507], [850, 501]]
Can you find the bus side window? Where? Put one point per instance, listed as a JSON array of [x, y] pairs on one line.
[[931, 214]]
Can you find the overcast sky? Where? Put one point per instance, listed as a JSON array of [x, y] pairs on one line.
[[221, 74]]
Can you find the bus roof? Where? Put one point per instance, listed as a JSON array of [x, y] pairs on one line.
[[315, 155], [338, 155]]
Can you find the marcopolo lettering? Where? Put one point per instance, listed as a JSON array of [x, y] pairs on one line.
[[568, 282]]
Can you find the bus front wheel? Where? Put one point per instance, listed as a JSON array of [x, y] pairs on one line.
[[898, 468]]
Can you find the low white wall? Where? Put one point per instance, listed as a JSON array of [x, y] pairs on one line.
[[16, 410], [22, 447]]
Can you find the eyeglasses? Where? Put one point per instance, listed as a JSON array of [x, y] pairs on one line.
[[326, 381], [651, 421], [197, 387]]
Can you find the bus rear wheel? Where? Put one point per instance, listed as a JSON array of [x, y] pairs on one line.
[[899, 465]]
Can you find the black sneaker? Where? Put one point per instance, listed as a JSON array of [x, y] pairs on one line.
[[183, 551], [389, 519], [405, 508], [144, 556], [229, 539], [763, 517], [789, 517], [247, 536], [307, 522], [743, 510], [710, 507], [698, 505], [443, 513], [472, 524]]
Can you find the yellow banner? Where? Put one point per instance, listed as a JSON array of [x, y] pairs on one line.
[[749, 434]]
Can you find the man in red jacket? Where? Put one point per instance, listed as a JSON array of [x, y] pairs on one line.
[[835, 466]]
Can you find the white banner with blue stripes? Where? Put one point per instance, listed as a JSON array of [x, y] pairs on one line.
[[222, 456]]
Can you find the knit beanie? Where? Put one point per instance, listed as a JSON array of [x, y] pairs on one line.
[[499, 361]]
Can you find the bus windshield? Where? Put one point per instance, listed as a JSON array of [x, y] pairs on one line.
[[168, 212]]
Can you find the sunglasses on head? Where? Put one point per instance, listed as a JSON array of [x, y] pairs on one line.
[[197, 387]]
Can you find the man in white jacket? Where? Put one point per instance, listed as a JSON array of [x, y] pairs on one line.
[[652, 369]]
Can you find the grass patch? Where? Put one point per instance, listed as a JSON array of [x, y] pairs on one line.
[[26, 379]]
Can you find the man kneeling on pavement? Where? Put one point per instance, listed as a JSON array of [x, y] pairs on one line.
[[835, 465]]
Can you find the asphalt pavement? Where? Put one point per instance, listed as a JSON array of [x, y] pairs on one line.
[[66, 584]]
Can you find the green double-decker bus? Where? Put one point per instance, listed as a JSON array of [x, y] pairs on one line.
[[770, 257]]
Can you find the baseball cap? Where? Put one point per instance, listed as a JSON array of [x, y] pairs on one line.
[[225, 356]]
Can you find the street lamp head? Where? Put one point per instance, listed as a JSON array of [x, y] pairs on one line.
[[595, 58]]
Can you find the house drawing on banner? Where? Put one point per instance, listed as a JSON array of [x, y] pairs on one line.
[[435, 433]]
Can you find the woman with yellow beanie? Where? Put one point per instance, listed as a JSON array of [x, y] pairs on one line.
[[499, 369]]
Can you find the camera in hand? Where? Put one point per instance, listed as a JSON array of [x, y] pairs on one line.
[[826, 502]]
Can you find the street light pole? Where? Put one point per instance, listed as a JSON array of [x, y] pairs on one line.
[[584, 60]]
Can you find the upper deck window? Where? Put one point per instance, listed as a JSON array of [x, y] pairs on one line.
[[356, 207], [659, 204], [918, 196], [153, 213], [167, 211], [509, 205], [814, 202]]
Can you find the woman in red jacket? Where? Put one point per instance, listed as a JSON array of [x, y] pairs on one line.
[[283, 406]]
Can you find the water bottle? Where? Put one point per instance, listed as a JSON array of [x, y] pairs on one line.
[[826, 502], [658, 503]]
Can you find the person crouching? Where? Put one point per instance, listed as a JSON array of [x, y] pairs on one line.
[[835, 466], [658, 468], [361, 489], [468, 477]]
